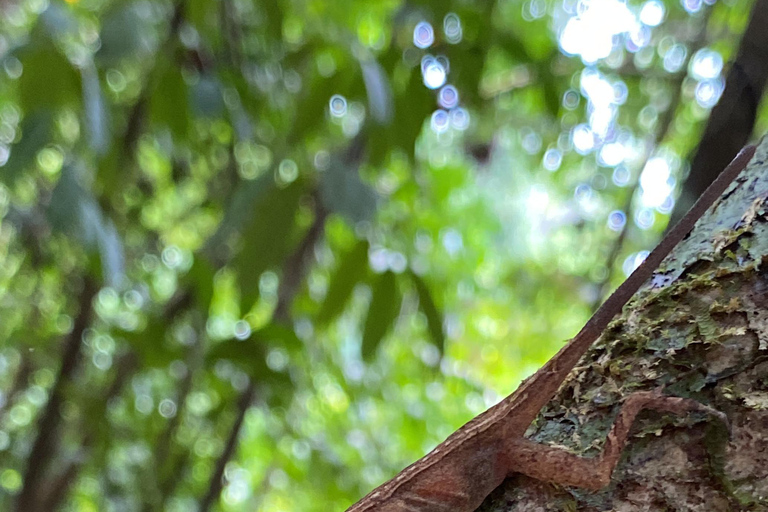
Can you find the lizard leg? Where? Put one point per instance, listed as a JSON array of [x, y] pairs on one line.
[[556, 465]]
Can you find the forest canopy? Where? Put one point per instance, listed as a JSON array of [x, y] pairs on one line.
[[261, 255]]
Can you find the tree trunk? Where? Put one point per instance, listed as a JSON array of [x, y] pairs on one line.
[[699, 329]]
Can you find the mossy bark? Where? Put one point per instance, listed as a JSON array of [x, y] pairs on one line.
[[699, 329]]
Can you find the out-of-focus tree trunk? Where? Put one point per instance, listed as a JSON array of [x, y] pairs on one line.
[[700, 330], [732, 120]]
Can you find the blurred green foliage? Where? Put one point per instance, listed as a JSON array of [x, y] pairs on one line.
[[282, 198]]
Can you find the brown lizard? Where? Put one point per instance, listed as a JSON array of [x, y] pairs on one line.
[[462, 470]]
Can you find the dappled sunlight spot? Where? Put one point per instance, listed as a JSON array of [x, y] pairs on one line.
[[20, 414], [172, 257], [440, 121], [433, 72], [287, 172], [322, 160], [13, 67], [10, 480], [423, 35], [236, 492], [667, 206], [219, 326], [338, 105], [620, 92], [652, 13], [571, 99], [597, 89], [242, 330], [448, 97], [583, 139], [452, 28], [459, 119], [639, 39], [107, 303], [616, 220], [536, 202], [706, 63], [644, 218], [167, 408], [552, 160], [534, 10], [531, 141], [36, 395], [590, 33], [674, 58], [102, 361], [656, 182], [708, 92], [277, 359], [50, 160], [692, 6], [452, 241], [587, 199], [633, 261], [143, 403], [612, 154]]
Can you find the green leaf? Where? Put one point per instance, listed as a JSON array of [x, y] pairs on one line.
[[382, 313], [48, 80], [149, 343], [250, 354], [36, 132], [239, 212], [73, 210], [342, 191], [351, 270], [430, 310], [200, 278], [267, 239], [169, 103], [124, 33], [207, 100], [379, 91], [96, 120]]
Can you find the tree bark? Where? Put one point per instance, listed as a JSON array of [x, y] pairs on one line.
[[699, 329]]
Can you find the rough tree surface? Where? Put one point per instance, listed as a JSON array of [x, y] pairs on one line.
[[700, 329]]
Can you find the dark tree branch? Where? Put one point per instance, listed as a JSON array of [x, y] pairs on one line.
[[216, 482], [43, 449], [733, 118]]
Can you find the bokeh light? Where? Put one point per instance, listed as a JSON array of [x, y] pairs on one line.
[[423, 35], [433, 72]]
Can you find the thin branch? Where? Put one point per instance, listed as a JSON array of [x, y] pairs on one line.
[[44, 446], [23, 372], [58, 487], [215, 485], [293, 274]]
